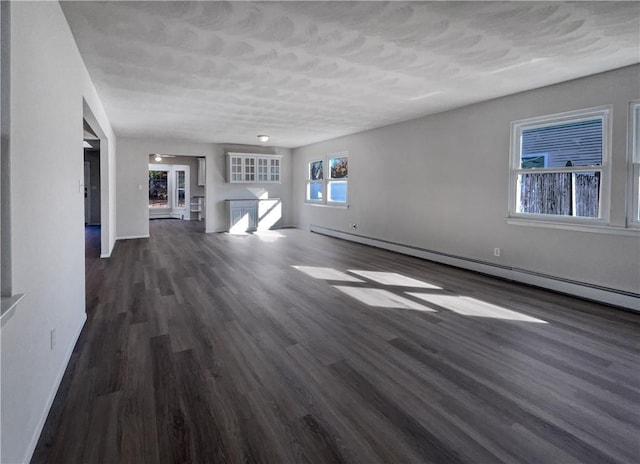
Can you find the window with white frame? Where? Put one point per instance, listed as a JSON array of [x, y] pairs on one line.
[[315, 181], [327, 180], [560, 166], [634, 139], [338, 179]]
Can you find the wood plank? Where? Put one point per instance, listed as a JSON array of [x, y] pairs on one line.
[[216, 348]]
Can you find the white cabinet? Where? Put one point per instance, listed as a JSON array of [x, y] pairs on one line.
[[257, 214], [243, 215], [253, 168]]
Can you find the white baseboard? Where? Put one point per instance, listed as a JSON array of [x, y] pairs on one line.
[[52, 394], [600, 294], [130, 237]]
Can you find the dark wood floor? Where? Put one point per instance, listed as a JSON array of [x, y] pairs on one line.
[[214, 348]]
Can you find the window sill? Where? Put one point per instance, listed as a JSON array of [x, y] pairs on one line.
[[327, 205], [593, 228], [9, 304]]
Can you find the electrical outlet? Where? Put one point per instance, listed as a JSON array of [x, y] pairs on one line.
[[53, 338], [496, 252]]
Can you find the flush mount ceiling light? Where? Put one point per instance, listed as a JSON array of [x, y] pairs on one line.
[[159, 157], [263, 138]]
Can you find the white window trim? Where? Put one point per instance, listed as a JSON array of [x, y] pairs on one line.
[[603, 112], [326, 180], [633, 157]]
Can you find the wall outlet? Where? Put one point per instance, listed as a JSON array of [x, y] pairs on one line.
[[496, 252], [52, 336]]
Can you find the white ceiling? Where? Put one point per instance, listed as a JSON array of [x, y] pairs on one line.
[[309, 71]]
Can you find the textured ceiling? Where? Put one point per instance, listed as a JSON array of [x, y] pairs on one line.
[[309, 71]]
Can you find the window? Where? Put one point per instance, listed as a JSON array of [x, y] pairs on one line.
[[338, 178], [315, 181], [329, 187], [560, 167], [634, 140]]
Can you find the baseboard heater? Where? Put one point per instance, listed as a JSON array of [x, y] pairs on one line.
[[610, 296]]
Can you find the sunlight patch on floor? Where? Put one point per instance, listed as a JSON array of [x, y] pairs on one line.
[[327, 273], [381, 298], [240, 227], [268, 235], [468, 306], [393, 278]]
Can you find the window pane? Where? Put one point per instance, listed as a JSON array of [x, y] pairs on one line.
[[158, 189], [638, 197], [553, 193], [560, 145], [339, 167], [337, 191], [181, 202], [314, 191], [315, 170], [587, 187]]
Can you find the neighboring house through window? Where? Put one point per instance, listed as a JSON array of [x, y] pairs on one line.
[[560, 167]]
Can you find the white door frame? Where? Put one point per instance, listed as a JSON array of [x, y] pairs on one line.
[[87, 193], [173, 211]]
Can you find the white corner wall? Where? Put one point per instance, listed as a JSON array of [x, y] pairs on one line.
[[48, 86], [220, 190], [440, 183], [133, 179]]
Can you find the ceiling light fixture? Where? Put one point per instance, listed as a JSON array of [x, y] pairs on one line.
[[158, 158], [263, 138]]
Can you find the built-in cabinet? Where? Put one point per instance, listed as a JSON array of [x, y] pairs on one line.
[[243, 215], [253, 167], [255, 214]]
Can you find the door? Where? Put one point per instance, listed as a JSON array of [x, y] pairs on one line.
[[169, 191]]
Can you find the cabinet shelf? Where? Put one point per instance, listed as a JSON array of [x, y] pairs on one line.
[[196, 206]]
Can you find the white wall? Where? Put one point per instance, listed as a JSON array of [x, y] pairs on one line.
[[48, 85], [194, 188], [441, 183], [132, 175], [132, 172], [222, 190]]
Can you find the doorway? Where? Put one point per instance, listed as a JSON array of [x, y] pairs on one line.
[[92, 207], [169, 191]]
